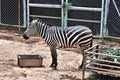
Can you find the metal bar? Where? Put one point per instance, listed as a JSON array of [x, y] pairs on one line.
[[0, 11], [105, 73], [107, 70], [19, 16], [60, 6], [24, 13], [100, 54], [85, 8], [91, 48], [52, 17], [104, 61], [105, 65], [102, 19], [116, 7], [28, 13], [62, 13], [44, 5], [84, 20], [66, 15], [84, 66], [106, 14]]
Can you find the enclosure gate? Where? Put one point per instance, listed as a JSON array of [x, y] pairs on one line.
[[65, 6], [97, 62]]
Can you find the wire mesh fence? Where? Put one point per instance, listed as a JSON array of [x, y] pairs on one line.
[[9, 14], [113, 21], [72, 15]]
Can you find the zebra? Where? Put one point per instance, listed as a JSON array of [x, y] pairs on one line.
[[57, 36]]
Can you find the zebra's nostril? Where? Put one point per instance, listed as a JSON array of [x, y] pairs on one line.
[[25, 36]]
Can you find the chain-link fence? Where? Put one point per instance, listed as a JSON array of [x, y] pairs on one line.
[[113, 21], [81, 15], [9, 14]]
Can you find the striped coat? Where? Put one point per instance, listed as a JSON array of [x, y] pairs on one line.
[[57, 36], [68, 37]]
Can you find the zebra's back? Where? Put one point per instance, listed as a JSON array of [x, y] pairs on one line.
[[73, 36]]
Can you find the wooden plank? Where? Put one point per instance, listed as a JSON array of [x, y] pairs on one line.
[[100, 54], [103, 61], [106, 70], [104, 73], [105, 65], [111, 38], [91, 48]]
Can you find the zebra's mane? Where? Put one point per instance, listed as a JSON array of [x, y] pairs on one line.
[[43, 23], [34, 21]]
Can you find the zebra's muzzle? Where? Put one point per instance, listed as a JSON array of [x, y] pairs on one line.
[[25, 36]]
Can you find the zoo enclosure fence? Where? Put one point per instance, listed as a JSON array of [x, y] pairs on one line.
[[96, 14], [70, 12], [93, 63]]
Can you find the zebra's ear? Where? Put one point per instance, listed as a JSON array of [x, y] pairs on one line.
[[35, 21], [38, 19]]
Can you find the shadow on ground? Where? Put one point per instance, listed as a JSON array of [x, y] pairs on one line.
[[102, 77]]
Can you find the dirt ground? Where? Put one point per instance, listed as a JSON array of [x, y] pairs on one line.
[[12, 45]]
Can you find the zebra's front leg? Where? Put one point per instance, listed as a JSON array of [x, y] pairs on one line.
[[54, 57]]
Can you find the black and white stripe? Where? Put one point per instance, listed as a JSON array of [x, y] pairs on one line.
[[57, 36], [68, 37]]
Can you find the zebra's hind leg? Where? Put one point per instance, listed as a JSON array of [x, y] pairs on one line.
[[82, 52], [54, 57]]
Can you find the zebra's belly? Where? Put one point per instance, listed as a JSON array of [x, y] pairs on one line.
[[65, 45], [62, 45]]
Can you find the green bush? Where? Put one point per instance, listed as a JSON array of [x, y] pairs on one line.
[[110, 52]]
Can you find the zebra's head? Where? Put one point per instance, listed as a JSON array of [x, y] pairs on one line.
[[31, 29]]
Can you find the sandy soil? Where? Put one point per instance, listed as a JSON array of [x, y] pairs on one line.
[[11, 46]]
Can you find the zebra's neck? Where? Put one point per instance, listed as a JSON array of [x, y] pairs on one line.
[[41, 29]]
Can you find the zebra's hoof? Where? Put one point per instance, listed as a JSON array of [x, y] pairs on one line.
[[54, 68], [80, 67], [52, 65]]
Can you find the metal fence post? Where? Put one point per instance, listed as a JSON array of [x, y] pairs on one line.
[[84, 66], [24, 14], [116, 7], [18, 15], [102, 19], [62, 14], [28, 12], [0, 11]]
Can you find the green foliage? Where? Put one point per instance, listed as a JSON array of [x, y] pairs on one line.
[[67, 4], [110, 52]]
